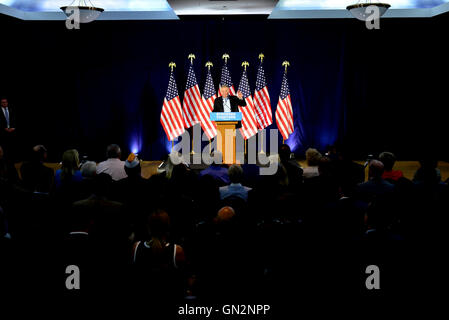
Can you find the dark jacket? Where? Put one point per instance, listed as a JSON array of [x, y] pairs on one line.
[[235, 103], [12, 118]]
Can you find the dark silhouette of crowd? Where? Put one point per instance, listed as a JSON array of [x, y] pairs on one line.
[[223, 234]]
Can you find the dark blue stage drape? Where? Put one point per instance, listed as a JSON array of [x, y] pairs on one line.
[[106, 82]]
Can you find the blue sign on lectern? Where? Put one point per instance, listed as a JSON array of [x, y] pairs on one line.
[[226, 116]]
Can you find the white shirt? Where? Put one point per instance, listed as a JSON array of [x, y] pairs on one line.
[[113, 167], [310, 172], [227, 105]]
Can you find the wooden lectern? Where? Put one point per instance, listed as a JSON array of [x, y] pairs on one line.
[[226, 123]]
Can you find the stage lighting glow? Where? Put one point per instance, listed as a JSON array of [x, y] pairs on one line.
[[136, 145], [168, 145]]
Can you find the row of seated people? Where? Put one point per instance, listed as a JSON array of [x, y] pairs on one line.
[[223, 232]]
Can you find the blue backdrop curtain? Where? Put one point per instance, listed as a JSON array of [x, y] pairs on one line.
[[106, 82]]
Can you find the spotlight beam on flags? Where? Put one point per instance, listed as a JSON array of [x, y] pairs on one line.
[[249, 124], [262, 104], [171, 115], [284, 111], [192, 98], [208, 99]]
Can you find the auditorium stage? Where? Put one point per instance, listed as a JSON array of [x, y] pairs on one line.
[[409, 168]]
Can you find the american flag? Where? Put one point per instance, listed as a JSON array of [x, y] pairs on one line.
[[262, 104], [192, 100], [249, 124], [171, 115], [226, 79], [209, 97], [284, 111]]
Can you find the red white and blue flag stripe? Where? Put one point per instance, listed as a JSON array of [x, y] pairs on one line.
[[192, 103], [284, 111], [209, 97], [249, 124], [262, 104], [171, 115]]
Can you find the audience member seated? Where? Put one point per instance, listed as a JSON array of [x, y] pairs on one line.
[[133, 191], [389, 159], [158, 259], [69, 172], [313, 157], [348, 172], [235, 189], [88, 172], [113, 166], [428, 172], [376, 186], [217, 170], [223, 258], [35, 175], [291, 166]]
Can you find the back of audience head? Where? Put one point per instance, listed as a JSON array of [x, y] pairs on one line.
[[132, 166], [224, 215], [284, 152], [159, 227], [388, 159], [376, 169], [39, 153], [89, 170], [235, 173], [325, 167], [70, 163], [313, 157], [428, 172], [113, 152]]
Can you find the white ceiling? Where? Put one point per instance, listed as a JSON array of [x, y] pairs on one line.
[[217, 7], [172, 9], [214, 7]]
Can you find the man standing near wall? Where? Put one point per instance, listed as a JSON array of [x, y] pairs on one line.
[[8, 137]]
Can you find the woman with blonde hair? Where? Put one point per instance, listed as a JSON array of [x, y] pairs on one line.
[[69, 172]]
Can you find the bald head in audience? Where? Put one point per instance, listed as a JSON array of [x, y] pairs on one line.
[[224, 215], [376, 168]]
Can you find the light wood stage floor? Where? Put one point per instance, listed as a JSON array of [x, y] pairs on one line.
[[409, 168]]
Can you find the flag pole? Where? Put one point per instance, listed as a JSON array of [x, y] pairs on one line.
[[261, 151], [261, 57], [172, 65], [191, 57], [193, 142]]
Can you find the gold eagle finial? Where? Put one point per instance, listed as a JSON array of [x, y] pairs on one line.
[[209, 64], [172, 65], [226, 57], [191, 57]]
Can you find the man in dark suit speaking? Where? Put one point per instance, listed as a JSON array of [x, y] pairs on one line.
[[227, 103]]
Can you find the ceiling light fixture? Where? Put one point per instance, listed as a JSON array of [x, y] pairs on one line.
[[359, 11], [87, 11]]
